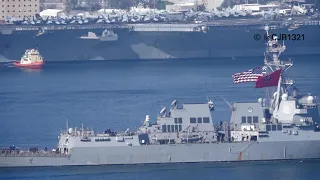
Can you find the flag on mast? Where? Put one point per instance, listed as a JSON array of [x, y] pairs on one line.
[[250, 75], [269, 80]]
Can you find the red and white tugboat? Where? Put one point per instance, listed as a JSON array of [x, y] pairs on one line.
[[30, 59]]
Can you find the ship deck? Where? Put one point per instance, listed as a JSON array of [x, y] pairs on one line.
[[173, 26]]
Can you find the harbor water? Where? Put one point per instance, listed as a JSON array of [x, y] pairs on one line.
[[36, 104]]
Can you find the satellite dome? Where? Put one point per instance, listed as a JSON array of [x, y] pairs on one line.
[[260, 100], [310, 99], [274, 94], [70, 130], [147, 118], [284, 97]]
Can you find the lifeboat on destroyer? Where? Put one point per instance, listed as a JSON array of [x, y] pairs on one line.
[[30, 59]]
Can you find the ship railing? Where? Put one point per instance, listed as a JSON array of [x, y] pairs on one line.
[[281, 63], [19, 153]]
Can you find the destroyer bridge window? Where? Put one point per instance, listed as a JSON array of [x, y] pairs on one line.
[[255, 119], [172, 128], [176, 128], [164, 128], [168, 127], [176, 120], [243, 119], [180, 120], [249, 119], [274, 127], [279, 127], [206, 120], [268, 127], [180, 128], [199, 120], [193, 120]]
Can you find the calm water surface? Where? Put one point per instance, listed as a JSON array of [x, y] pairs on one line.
[[34, 107]]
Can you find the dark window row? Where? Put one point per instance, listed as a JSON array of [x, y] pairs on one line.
[[17, 0], [250, 119], [20, 11], [274, 127], [171, 128], [178, 120], [200, 120]]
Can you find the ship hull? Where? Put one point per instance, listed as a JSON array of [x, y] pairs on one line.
[[31, 65], [66, 45], [188, 153]]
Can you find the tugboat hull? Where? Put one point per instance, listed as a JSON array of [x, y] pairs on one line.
[[32, 65]]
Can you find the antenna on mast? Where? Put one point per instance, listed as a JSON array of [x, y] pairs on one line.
[[67, 124], [82, 129], [272, 60]]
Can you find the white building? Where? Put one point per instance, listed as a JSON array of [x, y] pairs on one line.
[[188, 4], [181, 7], [50, 13], [211, 4]]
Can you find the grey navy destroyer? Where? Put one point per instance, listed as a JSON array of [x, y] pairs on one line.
[[282, 127]]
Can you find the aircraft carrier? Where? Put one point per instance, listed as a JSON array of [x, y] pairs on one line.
[[282, 126], [227, 33]]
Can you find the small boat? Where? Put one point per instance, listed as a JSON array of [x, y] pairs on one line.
[[30, 59]]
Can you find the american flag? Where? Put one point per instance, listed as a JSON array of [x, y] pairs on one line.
[[249, 76]]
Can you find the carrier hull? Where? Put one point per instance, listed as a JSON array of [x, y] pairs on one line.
[[66, 45], [187, 153]]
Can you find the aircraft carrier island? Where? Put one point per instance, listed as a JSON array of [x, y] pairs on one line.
[[158, 35]]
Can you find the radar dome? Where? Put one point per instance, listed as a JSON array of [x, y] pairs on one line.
[[203, 28], [310, 99], [260, 100], [284, 97], [147, 118], [274, 95], [70, 130]]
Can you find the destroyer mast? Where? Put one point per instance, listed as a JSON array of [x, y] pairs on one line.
[[273, 62]]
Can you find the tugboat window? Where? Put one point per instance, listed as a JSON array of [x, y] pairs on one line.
[[249, 119], [175, 120], [243, 119], [180, 120], [193, 120], [206, 120], [255, 119], [199, 120]]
